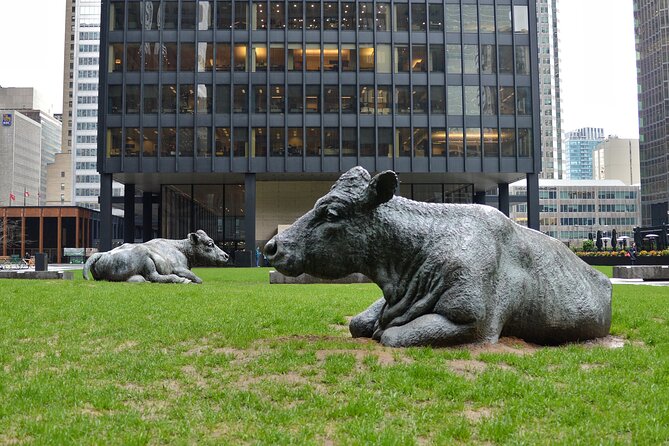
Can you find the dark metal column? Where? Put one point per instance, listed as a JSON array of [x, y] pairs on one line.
[[105, 211], [533, 201], [147, 216], [250, 215], [503, 198], [479, 197], [129, 214]]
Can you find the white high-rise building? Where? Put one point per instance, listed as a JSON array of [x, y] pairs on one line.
[[549, 90], [80, 107]]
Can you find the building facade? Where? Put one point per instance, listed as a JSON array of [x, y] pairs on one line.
[[617, 159], [651, 22], [552, 162], [29, 141], [579, 145], [235, 116], [574, 210], [80, 106]]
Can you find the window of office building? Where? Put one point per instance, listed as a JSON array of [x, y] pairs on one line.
[[520, 19], [347, 14], [489, 100], [133, 58], [402, 100], [454, 58], [277, 18], [524, 143], [473, 138], [186, 141], [259, 56], [420, 102], [456, 142], [349, 57], [223, 57], [259, 17], [436, 13], [205, 15], [384, 100], [367, 145], [505, 59], [469, 18], [203, 142], [295, 15], [295, 98], [403, 141], [366, 16], [383, 16], [421, 141], [186, 99], [295, 141], [277, 145], [488, 59], [277, 57], [487, 18], [419, 58], [224, 15], [385, 141], [240, 138], [168, 141], [437, 58], [277, 99], [150, 141], [366, 99], [313, 140], [438, 141], [418, 17], [453, 20], [312, 99], [239, 103], [507, 139], [331, 98], [490, 142], [188, 15], [239, 57], [454, 102], [205, 98], [223, 99], [472, 101], [152, 54], [330, 16], [313, 57], [401, 17], [170, 15], [260, 99], [470, 56], [523, 59], [503, 18], [258, 142], [313, 16], [507, 101], [330, 57], [241, 15], [366, 58], [437, 99], [116, 58], [349, 141], [205, 56], [349, 99], [187, 62], [295, 56], [115, 102], [169, 100], [116, 16], [402, 59], [331, 141], [132, 142]]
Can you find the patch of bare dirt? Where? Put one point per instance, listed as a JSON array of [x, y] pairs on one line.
[[132, 387], [150, 410], [384, 355], [477, 414], [514, 346], [588, 367], [611, 342], [91, 411], [192, 373], [659, 320], [127, 345], [291, 378]]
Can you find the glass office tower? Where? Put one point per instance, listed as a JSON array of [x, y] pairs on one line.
[[208, 105]]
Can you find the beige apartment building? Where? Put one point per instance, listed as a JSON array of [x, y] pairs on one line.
[[617, 159]]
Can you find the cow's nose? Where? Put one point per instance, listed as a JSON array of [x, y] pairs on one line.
[[270, 249]]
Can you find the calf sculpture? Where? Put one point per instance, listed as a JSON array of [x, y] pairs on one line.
[[450, 273], [158, 260]]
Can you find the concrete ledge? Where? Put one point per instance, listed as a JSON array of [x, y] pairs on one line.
[[645, 272], [38, 275], [276, 277]]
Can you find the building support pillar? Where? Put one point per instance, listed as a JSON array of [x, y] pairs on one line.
[[129, 214], [479, 197], [250, 215], [5, 234], [105, 212], [41, 231], [503, 198], [59, 237], [23, 232], [77, 232], [533, 201], [147, 216]]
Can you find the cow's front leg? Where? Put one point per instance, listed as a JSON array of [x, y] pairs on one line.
[[430, 329], [363, 325], [188, 274]]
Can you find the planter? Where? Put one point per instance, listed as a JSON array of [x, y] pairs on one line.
[[614, 261]]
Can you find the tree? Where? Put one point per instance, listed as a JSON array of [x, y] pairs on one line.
[[614, 239], [599, 243]]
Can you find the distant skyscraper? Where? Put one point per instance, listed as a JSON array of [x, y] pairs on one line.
[[617, 159], [651, 21], [549, 94], [80, 101], [579, 146]]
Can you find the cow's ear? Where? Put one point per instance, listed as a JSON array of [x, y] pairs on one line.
[[382, 188], [193, 237]]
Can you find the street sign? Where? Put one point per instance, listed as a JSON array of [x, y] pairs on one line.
[[6, 119]]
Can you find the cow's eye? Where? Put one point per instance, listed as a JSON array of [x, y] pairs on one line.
[[210, 244], [331, 215]]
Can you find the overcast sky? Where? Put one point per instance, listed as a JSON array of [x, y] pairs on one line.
[[597, 52]]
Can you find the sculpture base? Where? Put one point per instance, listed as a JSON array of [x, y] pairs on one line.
[[645, 272], [276, 277], [40, 275]]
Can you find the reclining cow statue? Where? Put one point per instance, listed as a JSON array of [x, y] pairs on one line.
[[450, 273], [158, 260]]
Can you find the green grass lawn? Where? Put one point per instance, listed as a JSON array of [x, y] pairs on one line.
[[237, 361]]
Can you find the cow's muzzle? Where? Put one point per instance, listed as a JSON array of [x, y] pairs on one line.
[[282, 257], [271, 249]]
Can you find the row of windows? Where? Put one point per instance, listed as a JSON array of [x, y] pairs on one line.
[[577, 208], [84, 113], [87, 99], [87, 125], [86, 86], [314, 141], [89, 61], [617, 195], [617, 208], [87, 152], [89, 48], [89, 35], [87, 192], [88, 73], [85, 165], [88, 178], [297, 15], [87, 139], [381, 58], [452, 100], [606, 221]]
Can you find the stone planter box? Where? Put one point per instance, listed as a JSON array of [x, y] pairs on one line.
[[614, 261], [277, 277]]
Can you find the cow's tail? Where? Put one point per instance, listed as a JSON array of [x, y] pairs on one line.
[[89, 264]]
